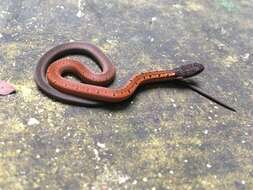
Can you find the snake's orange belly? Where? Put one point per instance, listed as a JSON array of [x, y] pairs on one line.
[[92, 86]]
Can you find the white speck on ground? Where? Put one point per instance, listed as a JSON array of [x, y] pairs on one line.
[[101, 145], [145, 179], [33, 121], [123, 179], [208, 165], [245, 57], [135, 182], [96, 154], [79, 14], [18, 151], [80, 11], [154, 19], [205, 132], [57, 150]]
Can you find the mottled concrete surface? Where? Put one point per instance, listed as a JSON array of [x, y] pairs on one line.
[[166, 137]]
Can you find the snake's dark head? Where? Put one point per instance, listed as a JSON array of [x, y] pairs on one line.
[[189, 70]]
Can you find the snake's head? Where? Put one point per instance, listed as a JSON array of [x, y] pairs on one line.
[[189, 70]]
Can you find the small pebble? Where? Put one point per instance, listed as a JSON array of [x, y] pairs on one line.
[[135, 182], [145, 179], [205, 132], [57, 150], [208, 165], [101, 145], [18, 151], [123, 179], [246, 56], [154, 19], [33, 121], [80, 14]]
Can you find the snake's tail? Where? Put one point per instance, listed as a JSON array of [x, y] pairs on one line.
[[207, 96], [189, 70]]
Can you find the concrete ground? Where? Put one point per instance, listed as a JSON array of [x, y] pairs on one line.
[[166, 137]]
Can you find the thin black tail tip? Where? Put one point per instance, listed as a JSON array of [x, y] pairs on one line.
[[232, 109], [189, 70]]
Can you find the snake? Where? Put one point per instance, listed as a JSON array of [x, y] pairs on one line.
[[93, 88]]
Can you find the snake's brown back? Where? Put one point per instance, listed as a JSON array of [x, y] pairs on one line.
[[50, 68]]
